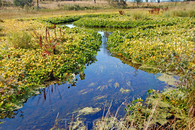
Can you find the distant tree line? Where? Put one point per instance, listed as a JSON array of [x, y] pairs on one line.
[[22, 3]]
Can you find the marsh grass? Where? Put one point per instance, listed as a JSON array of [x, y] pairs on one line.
[[19, 40], [180, 13], [184, 13], [139, 16]]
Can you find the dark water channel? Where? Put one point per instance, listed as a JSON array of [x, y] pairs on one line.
[[104, 81]]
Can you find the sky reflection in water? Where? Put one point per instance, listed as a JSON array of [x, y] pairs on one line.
[[102, 83]]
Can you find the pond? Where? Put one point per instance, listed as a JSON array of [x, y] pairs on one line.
[[107, 79]]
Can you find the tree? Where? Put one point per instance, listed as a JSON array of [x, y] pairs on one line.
[[137, 1], [117, 3], [22, 2], [37, 4]]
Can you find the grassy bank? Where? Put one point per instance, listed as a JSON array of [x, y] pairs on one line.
[[32, 56], [159, 46]]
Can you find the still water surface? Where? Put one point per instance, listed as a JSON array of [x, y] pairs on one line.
[[102, 83]]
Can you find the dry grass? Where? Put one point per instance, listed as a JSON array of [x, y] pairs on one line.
[[53, 8], [55, 5]]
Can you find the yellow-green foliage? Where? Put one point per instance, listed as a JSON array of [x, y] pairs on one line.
[[19, 40], [158, 46], [26, 62]]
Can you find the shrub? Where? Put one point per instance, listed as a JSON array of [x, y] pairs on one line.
[[22, 2], [19, 40]]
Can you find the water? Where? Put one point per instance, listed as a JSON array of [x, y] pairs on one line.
[[101, 84]]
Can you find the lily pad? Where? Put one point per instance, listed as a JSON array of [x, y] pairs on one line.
[[92, 84], [87, 111], [116, 85], [110, 80], [85, 91], [128, 83], [100, 97], [110, 85], [168, 79], [122, 90], [102, 87]]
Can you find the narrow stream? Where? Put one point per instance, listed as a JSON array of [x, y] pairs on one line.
[[102, 84]]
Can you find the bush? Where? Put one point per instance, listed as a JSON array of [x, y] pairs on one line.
[[19, 40], [22, 2]]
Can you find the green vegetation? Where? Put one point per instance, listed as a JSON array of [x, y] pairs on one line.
[[54, 56], [118, 21], [72, 18], [158, 46], [169, 109], [22, 3], [62, 19]]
